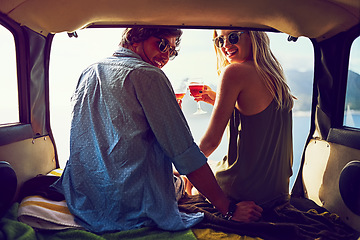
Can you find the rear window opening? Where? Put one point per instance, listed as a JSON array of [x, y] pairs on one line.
[[70, 56]]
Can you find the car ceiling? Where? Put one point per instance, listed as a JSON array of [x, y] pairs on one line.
[[318, 19]]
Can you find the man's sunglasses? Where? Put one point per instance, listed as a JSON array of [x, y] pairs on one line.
[[164, 46], [233, 38]]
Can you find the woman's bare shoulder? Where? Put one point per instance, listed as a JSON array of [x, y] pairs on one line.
[[240, 71], [239, 68]]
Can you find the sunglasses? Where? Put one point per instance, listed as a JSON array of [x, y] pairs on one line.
[[233, 38], [164, 46]]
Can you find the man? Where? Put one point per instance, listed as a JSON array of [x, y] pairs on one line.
[[127, 131]]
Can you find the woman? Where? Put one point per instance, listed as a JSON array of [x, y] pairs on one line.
[[255, 101]]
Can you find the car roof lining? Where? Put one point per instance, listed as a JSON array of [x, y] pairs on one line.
[[318, 19]]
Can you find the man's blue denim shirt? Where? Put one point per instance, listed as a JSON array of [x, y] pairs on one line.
[[127, 132]]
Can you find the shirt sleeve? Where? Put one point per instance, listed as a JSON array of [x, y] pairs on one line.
[[166, 119]]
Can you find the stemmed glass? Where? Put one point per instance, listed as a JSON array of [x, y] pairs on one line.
[[180, 91], [195, 86]]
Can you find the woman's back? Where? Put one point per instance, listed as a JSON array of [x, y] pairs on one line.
[[253, 95], [259, 161]]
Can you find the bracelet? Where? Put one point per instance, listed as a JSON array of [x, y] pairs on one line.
[[231, 210]]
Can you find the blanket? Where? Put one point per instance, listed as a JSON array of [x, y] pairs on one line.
[[12, 229], [300, 219], [284, 222], [43, 209]]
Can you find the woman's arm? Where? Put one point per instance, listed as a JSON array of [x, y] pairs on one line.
[[231, 85]]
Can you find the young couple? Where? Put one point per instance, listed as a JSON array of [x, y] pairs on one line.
[[119, 175]]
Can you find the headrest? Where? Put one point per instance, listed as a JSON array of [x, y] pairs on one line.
[[8, 184]]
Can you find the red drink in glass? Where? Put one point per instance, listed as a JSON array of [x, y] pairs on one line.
[[179, 95], [195, 88]]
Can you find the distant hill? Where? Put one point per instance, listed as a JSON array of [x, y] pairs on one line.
[[353, 91], [301, 84]]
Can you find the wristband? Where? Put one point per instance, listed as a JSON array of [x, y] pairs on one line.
[[231, 210]]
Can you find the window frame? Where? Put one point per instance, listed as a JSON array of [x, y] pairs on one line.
[[20, 130]]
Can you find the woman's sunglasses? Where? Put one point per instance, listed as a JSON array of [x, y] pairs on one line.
[[164, 46], [233, 38]]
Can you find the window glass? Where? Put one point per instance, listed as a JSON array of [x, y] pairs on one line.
[[9, 103], [352, 100], [70, 56]]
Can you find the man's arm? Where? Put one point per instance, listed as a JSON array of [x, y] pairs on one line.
[[203, 179]]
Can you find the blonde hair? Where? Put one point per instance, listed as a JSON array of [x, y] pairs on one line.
[[267, 67]]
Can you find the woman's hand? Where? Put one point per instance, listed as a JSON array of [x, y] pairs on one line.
[[247, 211], [207, 95]]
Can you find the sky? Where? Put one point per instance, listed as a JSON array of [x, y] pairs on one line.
[[196, 57]]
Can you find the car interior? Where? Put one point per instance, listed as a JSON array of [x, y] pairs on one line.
[[328, 175]]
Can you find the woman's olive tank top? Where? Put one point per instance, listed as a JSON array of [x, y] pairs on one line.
[[259, 161]]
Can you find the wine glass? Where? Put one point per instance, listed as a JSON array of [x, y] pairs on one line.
[[180, 91], [195, 86]]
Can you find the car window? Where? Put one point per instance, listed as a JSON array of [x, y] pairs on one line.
[[352, 100], [70, 56], [9, 103]]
